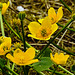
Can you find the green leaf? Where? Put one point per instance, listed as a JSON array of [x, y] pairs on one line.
[[43, 64], [2, 62], [46, 53], [73, 68]]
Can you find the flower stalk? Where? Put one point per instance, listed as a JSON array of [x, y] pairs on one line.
[[23, 35], [65, 70], [11, 70], [66, 5], [66, 27], [21, 17], [1, 21], [63, 49]]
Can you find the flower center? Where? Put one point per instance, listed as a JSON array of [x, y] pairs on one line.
[[43, 33], [52, 19], [5, 48]]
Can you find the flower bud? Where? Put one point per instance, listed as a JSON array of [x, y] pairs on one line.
[[21, 15]]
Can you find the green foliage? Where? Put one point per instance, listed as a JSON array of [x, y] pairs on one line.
[[47, 52], [43, 64], [73, 68], [2, 62]]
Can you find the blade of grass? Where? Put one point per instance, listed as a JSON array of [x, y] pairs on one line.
[[65, 5], [63, 49]]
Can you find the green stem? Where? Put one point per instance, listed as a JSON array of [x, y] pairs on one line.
[[66, 5], [10, 70], [23, 35], [55, 69], [13, 66], [50, 41], [63, 49], [57, 73], [2, 28], [25, 73], [10, 27], [62, 29], [8, 63], [18, 32], [28, 45], [66, 27], [65, 70]]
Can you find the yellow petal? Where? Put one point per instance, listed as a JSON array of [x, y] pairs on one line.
[[32, 61], [62, 62], [56, 56], [33, 27], [54, 28], [66, 57], [27, 63], [59, 14], [18, 53], [52, 15], [29, 54], [40, 20], [61, 55], [7, 42], [29, 35], [2, 51], [46, 22], [51, 55], [5, 6], [9, 56]]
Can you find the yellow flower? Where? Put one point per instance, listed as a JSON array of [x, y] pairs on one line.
[[4, 7], [23, 58], [54, 18], [59, 58], [43, 31], [5, 44], [17, 45]]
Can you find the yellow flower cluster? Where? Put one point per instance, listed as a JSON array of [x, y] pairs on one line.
[[19, 57], [48, 25], [42, 31], [5, 44], [4, 7]]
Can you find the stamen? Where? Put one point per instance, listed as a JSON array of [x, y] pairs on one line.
[[43, 33], [52, 19]]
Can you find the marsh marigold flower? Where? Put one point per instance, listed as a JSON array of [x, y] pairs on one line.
[[4, 7], [43, 31], [5, 44], [59, 58], [23, 58], [53, 16]]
